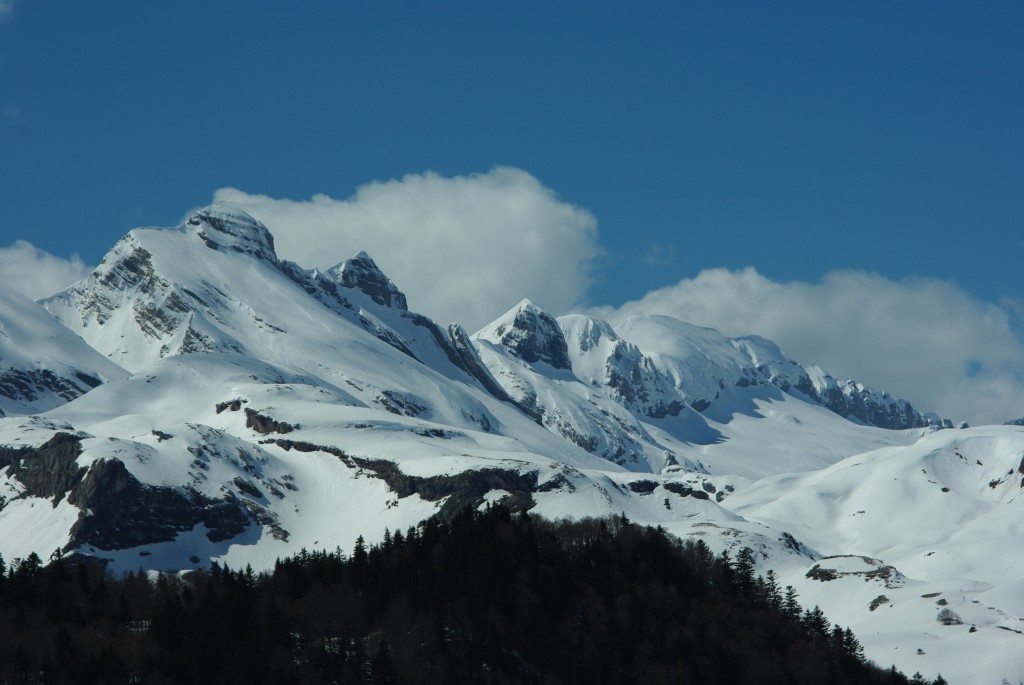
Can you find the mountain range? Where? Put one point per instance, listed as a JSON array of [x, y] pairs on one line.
[[197, 399]]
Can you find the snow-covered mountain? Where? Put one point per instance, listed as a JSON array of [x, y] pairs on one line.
[[653, 393], [246, 407], [42, 363]]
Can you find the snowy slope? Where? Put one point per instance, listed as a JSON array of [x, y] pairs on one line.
[[43, 364], [945, 514]]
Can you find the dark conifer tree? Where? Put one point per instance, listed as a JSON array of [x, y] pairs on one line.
[[744, 573], [790, 606], [815, 624], [773, 595], [851, 645], [382, 669]]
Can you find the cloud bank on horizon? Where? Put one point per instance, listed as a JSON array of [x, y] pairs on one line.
[[467, 248], [36, 273], [924, 339]]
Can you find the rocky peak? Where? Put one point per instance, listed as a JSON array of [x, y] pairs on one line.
[[873, 407], [531, 334], [224, 226], [362, 273]]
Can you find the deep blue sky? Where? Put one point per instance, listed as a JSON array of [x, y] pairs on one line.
[[794, 137]]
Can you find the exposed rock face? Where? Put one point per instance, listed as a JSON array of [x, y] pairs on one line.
[[872, 407], [48, 470], [646, 487], [222, 226], [362, 273], [318, 284], [531, 334], [466, 489], [117, 510], [29, 386], [632, 378], [265, 425], [401, 403], [462, 489]]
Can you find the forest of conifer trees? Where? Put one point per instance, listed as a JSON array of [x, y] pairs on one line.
[[489, 597]]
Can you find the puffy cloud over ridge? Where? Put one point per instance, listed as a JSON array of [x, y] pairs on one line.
[[36, 273], [463, 249], [920, 338]]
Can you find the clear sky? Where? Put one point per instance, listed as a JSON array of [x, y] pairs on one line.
[[880, 140]]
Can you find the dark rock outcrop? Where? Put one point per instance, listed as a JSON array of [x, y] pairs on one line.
[[231, 405], [871, 407], [117, 511], [28, 386], [534, 336], [231, 228], [49, 470], [466, 489], [264, 425], [401, 403], [362, 273]]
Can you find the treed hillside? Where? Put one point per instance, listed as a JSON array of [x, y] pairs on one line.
[[490, 597]]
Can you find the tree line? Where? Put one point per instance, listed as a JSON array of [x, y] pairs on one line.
[[487, 597]]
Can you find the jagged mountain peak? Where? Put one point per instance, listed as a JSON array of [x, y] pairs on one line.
[[362, 273], [874, 407], [223, 225], [531, 334]]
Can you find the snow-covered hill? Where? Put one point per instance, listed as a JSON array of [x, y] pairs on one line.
[[250, 407], [907, 532], [42, 363]]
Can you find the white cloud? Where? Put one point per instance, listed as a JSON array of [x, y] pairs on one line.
[[463, 249], [923, 339], [37, 273]]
